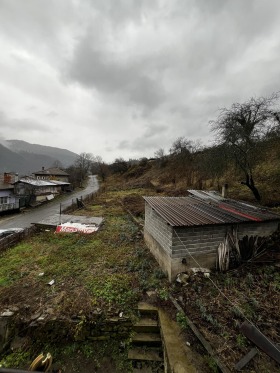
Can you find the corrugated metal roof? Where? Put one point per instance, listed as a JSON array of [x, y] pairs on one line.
[[57, 182], [42, 183], [36, 182], [51, 171], [189, 211], [206, 195]]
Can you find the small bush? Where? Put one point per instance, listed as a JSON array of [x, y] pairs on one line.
[[182, 320]]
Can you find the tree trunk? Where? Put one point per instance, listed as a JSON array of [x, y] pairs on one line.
[[251, 185]]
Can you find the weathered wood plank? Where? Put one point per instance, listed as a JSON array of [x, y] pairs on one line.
[[260, 340], [246, 359], [206, 344]]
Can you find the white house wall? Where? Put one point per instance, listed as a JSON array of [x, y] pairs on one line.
[[6, 193], [12, 202]]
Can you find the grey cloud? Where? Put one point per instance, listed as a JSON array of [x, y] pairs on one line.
[[150, 140], [220, 37], [124, 144], [17, 126], [40, 28], [31, 107], [154, 129], [138, 73], [52, 114], [124, 11], [105, 72]]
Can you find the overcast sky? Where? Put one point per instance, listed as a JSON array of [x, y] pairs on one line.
[[123, 78]]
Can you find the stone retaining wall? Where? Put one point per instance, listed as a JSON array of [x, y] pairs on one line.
[[56, 330], [15, 238]]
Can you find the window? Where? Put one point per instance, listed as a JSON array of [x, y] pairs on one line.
[[3, 200]]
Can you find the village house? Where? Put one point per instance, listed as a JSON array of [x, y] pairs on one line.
[[185, 232], [53, 173], [8, 201], [37, 190]]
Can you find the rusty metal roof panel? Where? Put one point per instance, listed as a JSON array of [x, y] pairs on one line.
[[206, 195], [188, 211]]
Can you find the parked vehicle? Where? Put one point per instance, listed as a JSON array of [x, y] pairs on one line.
[[9, 231]]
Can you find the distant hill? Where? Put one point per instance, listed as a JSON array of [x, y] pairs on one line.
[[25, 158]]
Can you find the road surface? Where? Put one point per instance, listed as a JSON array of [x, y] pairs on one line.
[[25, 220]]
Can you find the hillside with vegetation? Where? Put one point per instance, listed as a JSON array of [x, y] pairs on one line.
[[246, 156], [191, 167]]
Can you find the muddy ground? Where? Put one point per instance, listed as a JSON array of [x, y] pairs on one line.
[[220, 306]]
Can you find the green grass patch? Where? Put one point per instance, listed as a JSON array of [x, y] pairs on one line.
[[108, 269]]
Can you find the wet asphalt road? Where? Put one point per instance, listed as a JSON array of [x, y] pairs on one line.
[[25, 220]]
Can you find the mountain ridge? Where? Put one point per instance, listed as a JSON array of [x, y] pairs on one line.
[[23, 157]]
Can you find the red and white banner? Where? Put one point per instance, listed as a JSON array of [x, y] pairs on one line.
[[76, 227]]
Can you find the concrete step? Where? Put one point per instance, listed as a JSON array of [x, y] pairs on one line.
[[146, 325], [146, 310], [147, 339], [147, 354], [142, 370]]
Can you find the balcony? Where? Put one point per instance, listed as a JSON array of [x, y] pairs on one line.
[[9, 206]]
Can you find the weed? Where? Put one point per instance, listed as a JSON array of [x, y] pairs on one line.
[[249, 310], [236, 311], [131, 266], [95, 353], [182, 320], [201, 307], [207, 316], [87, 349], [163, 294], [15, 359], [139, 252], [276, 281], [225, 335], [159, 274], [254, 302], [250, 279], [229, 281], [143, 280], [145, 264], [241, 340], [115, 290], [212, 364]]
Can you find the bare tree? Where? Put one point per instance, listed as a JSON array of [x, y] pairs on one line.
[[99, 167], [161, 157], [182, 159], [211, 164], [57, 164], [83, 164], [119, 166], [242, 127]]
